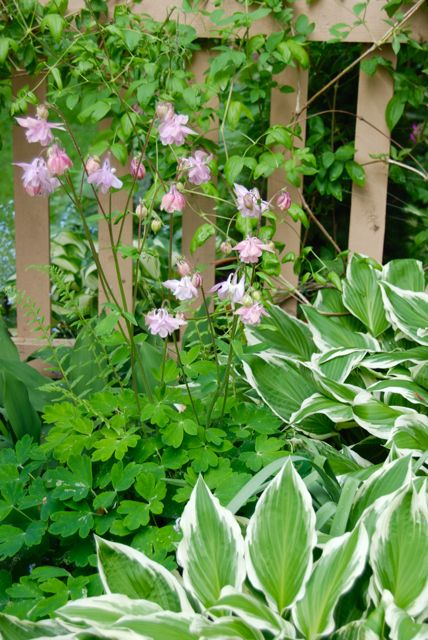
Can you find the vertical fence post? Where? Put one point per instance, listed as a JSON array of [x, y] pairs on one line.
[[205, 255], [283, 107], [368, 205], [31, 230]]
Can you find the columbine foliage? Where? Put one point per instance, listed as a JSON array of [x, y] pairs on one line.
[[232, 596]]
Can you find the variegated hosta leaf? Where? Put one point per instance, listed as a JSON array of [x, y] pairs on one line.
[[12, 628], [337, 364], [375, 416], [362, 295], [398, 553], [342, 561], [164, 625], [254, 612], [283, 386], [389, 359], [410, 390], [212, 549], [127, 571], [405, 273], [328, 334], [226, 628], [401, 625], [407, 311], [317, 403], [389, 478], [280, 539], [410, 434], [106, 609]]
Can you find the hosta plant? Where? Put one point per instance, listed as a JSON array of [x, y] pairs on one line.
[[275, 575], [356, 369]]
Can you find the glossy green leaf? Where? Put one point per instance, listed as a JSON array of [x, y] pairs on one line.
[[20, 412], [407, 311], [202, 234], [405, 273], [394, 110]]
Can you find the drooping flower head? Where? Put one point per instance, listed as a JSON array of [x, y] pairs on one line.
[[58, 161], [173, 200], [249, 202], [251, 249], [183, 289], [251, 314], [283, 201], [183, 267], [104, 177], [197, 167], [136, 168], [172, 127], [39, 129], [161, 323], [230, 289], [37, 179], [92, 164]]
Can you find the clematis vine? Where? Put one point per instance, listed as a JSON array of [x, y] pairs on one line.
[[197, 167], [249, 202], [104, 177], [37, 179], [39, 129], [230, 289], [183, 289], [173, 200], [173, 127], [251, 249], [58, 161], [251, 314], [161, 323]]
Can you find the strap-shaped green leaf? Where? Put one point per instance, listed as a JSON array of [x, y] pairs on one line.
[[280, 539], [342, 561], [127, 571], [407, 311], [105, 610], [212, 549], [398, 553], [401, 625]]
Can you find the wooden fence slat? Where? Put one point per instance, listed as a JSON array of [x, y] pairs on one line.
[[31, 224], [368, 205], [283, 106], [205, 255], [118, 200]]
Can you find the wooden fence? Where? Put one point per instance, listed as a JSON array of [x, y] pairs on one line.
[[368, 205]]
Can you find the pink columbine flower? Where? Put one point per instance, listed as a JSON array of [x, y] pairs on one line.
[[39, 129], [173, 200], [58, 161], [252, 314], [197, 168], [184, 268], [283, 201], [92, 164], [164, 110], [161, 323], [249, 202], [37, 179], [137, 169], [181, 408], [251, 249], [182, 289], [172, 128], [104, 177], [230, 289]]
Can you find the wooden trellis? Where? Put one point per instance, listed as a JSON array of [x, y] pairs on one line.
[[368, 205]]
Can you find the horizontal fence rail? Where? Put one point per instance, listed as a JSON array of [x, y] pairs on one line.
[[368, 204]]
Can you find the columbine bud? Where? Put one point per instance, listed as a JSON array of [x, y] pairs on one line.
[[247, 300], [156, 225], [141, 211], [197, 280], [226, 248], [92, 164], [137, 168], [284, 201], [248, 201], [180, 187], [271, 246], [42, 112], [257, 296], [164, 110], [184, 268], [58, 161]]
